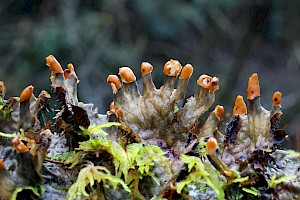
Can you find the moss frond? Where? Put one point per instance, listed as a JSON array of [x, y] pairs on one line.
[[8, 135], [144, 157], [71, 157], [273, 181], [137, 156], [97, 128], [88, 176], [6, 111], [36, 191], [201, 173], [252, 191]]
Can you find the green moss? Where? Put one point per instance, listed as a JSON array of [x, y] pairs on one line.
[[200, 172], [293, 153], [238, 178], [273, 181], [131, 163], [36, 191], [252, 191], [6, 112], [97, 128], [71, 157], [2, 103], [201, 147], [144, 157], [7, 135], [92, 175]]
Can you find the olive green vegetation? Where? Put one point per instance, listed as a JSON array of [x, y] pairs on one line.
[[230, 39]]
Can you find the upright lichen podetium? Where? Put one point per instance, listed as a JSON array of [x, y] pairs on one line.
[[253, 126], [152, 116]]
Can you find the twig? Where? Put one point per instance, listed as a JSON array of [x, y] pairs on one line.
[[54, 161]]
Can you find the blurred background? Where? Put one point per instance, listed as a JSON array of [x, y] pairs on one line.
[[229, 39]]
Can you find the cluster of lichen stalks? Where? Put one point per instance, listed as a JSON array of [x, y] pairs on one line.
[[152, 118]]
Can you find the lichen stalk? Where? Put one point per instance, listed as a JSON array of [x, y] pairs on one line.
[[258, 123], [212, 122], [184, 78]]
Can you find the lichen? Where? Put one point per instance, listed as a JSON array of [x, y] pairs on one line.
[[145, 146]]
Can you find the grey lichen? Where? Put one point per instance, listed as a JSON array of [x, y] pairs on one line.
[[144, 147]]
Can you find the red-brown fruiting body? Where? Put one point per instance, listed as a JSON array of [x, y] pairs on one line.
[[214, 84], [204, 81], [112, 106], [72, 71], [219, 111], [67, 73], [54, 64], [146, 68], [277, 99], [253, 87], [187, 71], [113, 79], [211, 146], [71, 67], [127, 75], [172, 68], [240, 107], [26, 93], [2, 165], [19, 146]]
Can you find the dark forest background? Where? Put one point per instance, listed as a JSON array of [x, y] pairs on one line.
[[230, 39]]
